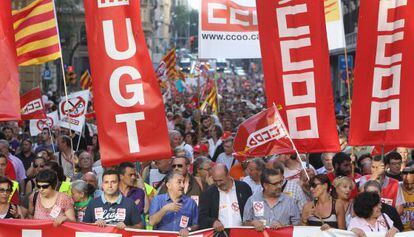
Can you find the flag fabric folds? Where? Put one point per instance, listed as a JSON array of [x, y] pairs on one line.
[[211, 100], [166, 68], [86, 81], [261, 135], [31, 105], [36, 34], [9, 76]]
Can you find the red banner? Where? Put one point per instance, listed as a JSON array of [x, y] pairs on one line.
[[31, 105], [127, 99], [296, 65], [9, 76], [383, 92], [261, 135]]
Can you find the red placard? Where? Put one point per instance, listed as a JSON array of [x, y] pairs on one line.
[[31, 105], [9, 76], [383, 91], [127, 99], [296, 65]]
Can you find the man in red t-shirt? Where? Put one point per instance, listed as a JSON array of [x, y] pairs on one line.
[[342, 167]]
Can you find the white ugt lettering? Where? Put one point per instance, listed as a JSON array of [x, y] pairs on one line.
[[137, 89], [110, 45], [130, 120]]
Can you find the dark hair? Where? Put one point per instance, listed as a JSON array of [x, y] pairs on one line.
[[219, 130], [277, 165], [27, 140], [364, 204], [110, 172], [122, 167], [4, 180], [3, 156], [54, 166], [377, 159], [264, 178], [363, 157], [7, 128], [198, 162], [47, 176], [170, 175], [392, 156], [340, 158], [66, 139], [323, 178]]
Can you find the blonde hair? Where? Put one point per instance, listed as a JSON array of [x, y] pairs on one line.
[[339, 181]]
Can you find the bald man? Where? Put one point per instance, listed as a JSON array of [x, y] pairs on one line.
[[222, 204]]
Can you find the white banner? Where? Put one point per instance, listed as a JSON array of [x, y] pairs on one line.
[[72, 112], [37, 125], [334, 24], [228, 29]]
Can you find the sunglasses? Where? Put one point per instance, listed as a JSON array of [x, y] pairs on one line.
[[177, 166], [44, 186], [35, 166], [314, 185], [3, 190]]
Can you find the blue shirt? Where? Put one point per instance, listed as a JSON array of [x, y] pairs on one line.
[[122, 210], [175, 221]]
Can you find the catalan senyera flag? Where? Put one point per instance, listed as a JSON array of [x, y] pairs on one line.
[[36, 34], [86, 81], [212, 100], [166, 68]]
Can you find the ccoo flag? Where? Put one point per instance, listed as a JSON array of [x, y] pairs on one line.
[[36, 34], [261, 135]]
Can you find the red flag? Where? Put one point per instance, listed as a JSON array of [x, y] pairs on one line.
[[296, 65], [261, 135], [9, 76], [377, 150], [31, 105], [383, 92], [128, 102]]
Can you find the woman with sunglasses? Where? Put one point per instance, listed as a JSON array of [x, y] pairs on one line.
[[49, 204], [8, 210], [343, 187], [323, 211]]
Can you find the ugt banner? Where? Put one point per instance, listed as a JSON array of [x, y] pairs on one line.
[[383, 91], [228, 29], [9, 76], [127, 98], [297, 74]]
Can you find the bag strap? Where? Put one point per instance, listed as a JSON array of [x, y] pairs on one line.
[[386, 222], [35, 196]]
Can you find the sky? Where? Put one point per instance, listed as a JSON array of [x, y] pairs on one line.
[[195, 4]]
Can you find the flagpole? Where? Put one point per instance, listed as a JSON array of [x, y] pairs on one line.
[[63, 71], [51, 139], [291, 141], [80, 136]]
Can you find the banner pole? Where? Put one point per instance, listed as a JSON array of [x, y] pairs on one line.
[[63, 72], [80, 136], [291, 141], [51, 139]]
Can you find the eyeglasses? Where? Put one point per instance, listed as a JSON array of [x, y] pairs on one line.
[[314, 185], [7, 191], [177, 166], [35, 166], [277, 184], [44, 186]]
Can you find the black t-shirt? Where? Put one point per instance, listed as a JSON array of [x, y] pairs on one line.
[[393, 214], [27, 161], [397, 177], [124, 210]]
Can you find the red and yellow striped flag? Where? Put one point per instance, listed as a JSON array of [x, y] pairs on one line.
[[170, 60], [36, 35], [86, 80], [212, 100]]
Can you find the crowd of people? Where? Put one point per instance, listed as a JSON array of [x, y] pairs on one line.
[[58, 176]]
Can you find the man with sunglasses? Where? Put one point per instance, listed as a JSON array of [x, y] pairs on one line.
[[271, 207], [193, 187], [405, 197]]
